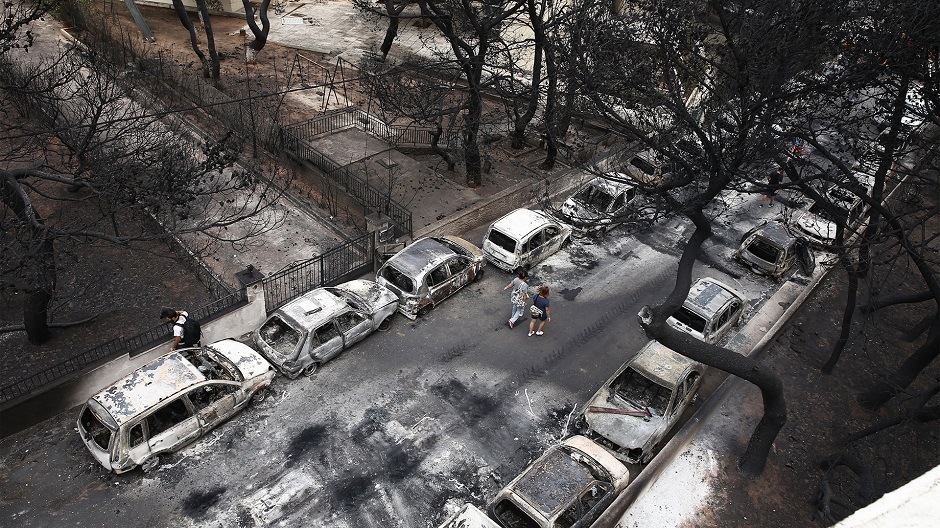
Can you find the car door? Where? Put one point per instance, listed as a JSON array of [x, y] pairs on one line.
[[552, 236], [172, 426], [535, 247], [354, 326], [214, 403], [439, 283], [326, 342], [725, 320]]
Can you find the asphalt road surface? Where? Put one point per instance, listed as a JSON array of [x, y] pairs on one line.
[[405, 426]]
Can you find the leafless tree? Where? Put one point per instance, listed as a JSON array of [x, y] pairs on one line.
[[86, 160], [210, 66], [260, 33]]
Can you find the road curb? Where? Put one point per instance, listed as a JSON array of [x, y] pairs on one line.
[[684, 436]]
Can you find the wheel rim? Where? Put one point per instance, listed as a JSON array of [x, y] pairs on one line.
[[311, 370]]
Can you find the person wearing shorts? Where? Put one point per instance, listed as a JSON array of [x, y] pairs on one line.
[[541, 311]]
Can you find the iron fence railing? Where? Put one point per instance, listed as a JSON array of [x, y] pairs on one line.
[[355, 186], [347, 260], [114, 348]]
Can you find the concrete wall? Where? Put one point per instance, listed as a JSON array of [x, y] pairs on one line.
[[229, 7], [74, 390]]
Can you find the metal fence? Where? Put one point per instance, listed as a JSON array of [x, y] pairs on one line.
[[114, 348], [355, 186], [396, 135], [343, 262]]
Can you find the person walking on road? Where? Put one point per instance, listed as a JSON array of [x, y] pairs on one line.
[[773, 184], [186, 331], [518, 297], [541, 311]]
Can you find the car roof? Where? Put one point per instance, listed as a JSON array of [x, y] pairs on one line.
[[519, 223], [778, 233], [661, 364], [613, 183], [313, 307], [553, 481], [147, 386], [708, 295], [423, 254]]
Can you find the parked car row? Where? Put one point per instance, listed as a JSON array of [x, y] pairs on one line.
[[180, 396]]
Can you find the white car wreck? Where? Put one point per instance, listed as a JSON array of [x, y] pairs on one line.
[[523, 238], [710, 311], [571, 484], [314, 328], [638, 406], [170, 402]]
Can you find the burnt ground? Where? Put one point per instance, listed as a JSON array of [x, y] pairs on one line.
[[127, 286]]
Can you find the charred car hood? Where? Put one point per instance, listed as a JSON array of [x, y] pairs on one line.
[[372, 293], [578, 213], [249, 362], [817, 227], [626, 431]]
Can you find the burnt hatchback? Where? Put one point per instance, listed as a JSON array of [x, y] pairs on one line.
[[772, 250], [710, 311], [429, 271], [317, 326]]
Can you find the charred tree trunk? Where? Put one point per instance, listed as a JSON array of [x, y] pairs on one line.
[[653, 321], [215, 67], [471, 140], [897, 381], [519, 127], [902, 298], [260, 33], [846, 321], [391, 32], [193, 38], [43, 283], [436, 148], [551, 71]]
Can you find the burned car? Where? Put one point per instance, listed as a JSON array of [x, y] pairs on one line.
[[314, 328], [710, 311], [170, 402], [601, 204], [819, 225], [571, 484], [638, 406], [429, 271], [770, 249], [523, 238]]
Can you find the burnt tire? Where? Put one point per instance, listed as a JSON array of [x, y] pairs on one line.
[[385, 324], [150, 464], [479, 275], [310, 369], [425, 310]]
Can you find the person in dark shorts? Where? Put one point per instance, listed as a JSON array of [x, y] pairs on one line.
[[541, 311], [773, 184]]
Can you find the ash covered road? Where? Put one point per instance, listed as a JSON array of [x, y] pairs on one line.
[[402, 428]]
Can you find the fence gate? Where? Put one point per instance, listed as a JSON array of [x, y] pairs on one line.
[[341, 263]]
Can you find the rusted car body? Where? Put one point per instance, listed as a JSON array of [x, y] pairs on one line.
[[168, 403], [314, 328], [571, 484], [710, 311], [638, 406], [429, 271], [523, 238], [772, 250], [601, 204]]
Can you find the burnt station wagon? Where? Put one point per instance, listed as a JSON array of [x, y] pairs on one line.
[[523, 238], [710, 311], [170, 402]]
